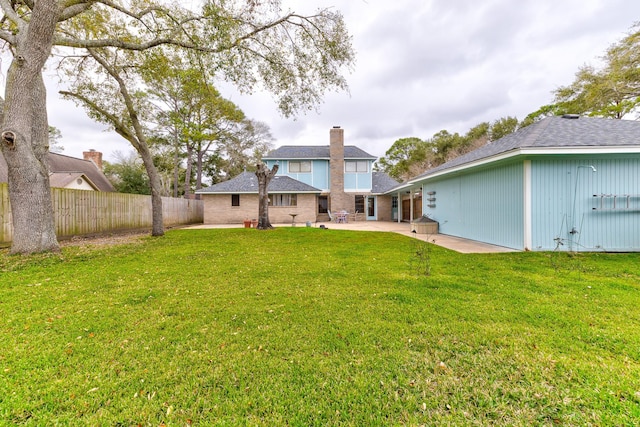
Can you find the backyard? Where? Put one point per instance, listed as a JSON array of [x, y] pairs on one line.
[[305, 326]]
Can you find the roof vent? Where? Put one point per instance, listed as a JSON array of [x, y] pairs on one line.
[[571, 116]]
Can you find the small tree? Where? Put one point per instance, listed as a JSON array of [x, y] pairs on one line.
[[264, 177]]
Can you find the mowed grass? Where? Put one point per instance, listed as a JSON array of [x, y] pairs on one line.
[[303, 326]]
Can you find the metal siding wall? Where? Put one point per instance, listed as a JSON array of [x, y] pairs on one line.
[[554, 193], [486, 205], [551, 202]]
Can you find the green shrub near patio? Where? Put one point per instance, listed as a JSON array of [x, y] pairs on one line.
[[304, 326]]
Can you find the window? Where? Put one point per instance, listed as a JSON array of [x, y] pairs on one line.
[[235, 200], [323, 204], [300, 167], [283, 200], [360, 203], [356, 166]]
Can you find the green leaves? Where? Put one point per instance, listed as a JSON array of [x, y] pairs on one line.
[[614, 90]]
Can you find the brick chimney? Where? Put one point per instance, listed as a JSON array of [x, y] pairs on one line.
[[339, 200], [94, 156]]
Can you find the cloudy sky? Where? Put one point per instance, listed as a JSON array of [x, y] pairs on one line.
[[423, 66]]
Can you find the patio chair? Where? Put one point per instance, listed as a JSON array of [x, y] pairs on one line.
[[353, 216], [330, 216]]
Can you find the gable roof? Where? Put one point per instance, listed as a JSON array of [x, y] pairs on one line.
[[59, 163], [62, 179], [247, 182], [553, 135], [287, 152]]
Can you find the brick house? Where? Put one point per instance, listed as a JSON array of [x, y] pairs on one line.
[[311, 182], [236, 200]]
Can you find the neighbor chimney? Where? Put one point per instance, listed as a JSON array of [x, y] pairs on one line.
[[94, 156]]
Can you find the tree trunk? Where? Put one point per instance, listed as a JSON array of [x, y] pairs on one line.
[[157, 228], [24, 135], [189, 169], [199, 161], [176, 163], [264, 177]]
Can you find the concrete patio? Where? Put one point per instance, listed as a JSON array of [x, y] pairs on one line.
[[450, 242]]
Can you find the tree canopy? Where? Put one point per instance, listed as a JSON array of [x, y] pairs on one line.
[[409, 157], [250, 44], [612, 91]]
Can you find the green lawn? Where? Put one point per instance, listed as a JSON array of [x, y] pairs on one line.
[[303, 326]]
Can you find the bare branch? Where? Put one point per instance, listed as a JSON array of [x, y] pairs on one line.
[[127, 12], [11, 14], [74, 10], [118, 126], [8, 37]]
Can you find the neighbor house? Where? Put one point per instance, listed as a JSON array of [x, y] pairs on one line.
[[72, 173], [563, 183], [311, 182]]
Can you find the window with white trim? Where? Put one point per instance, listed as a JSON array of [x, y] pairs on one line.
[[283, 200], [303, 166], [356, 166]]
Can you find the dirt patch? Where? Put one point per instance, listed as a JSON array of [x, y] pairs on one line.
[[105, 240]]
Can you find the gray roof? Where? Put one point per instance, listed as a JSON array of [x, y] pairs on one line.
[[551, 133], [314, 152], [62, 179], [59, 163], [247, 182], [381, 183]]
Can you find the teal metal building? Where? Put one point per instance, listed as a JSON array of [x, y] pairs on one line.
[[564, 183]]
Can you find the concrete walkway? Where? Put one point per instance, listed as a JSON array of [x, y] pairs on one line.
[[450, 242]]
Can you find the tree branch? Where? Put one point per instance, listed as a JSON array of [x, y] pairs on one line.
[[118, 126], [74, 9], [127, 12], [11, 14], [7, 37]]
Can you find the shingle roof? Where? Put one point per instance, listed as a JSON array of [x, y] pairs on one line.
[[247, 182], [381, 183], [555, 133], [59, 163], [62, 163], [315, 152], [62, 179]]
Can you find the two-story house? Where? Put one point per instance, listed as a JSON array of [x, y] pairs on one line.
[[311, 182]]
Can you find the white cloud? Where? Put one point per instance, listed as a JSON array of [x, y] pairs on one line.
[[424, 66]]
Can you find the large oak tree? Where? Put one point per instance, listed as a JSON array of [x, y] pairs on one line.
[[251, 44], [612, 91]]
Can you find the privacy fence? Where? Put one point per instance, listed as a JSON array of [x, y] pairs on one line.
[[81, 213]]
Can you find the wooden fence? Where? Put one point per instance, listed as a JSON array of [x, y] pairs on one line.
[[80, 212]]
